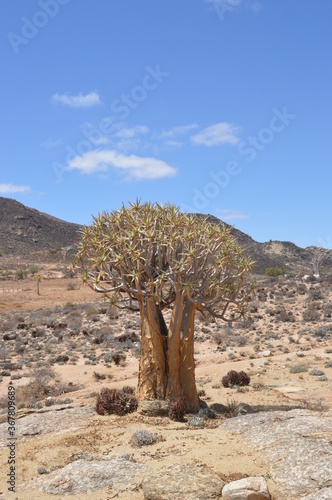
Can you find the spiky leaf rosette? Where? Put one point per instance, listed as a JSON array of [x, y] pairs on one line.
[[152, 250]]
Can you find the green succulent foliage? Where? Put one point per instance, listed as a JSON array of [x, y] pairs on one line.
[[154, 250]]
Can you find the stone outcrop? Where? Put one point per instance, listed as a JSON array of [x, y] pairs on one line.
[[296, 446], [82, 476]]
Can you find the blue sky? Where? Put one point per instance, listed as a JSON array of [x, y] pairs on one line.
[[218, 106]]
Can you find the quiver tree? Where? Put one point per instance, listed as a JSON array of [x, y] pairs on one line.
[[150, 257]]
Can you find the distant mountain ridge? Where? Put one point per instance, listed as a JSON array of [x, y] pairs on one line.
[[282, 254], [26, 232]]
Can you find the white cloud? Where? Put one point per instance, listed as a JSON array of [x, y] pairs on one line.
[[136, 167], [219, 133], [174, 144], [176, 131], [128, 133], [11, 188], [227, 214], [99, 140], [77, 101]]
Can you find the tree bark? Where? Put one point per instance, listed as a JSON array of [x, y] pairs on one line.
[[152, 366], [173, 390], [187, 360]]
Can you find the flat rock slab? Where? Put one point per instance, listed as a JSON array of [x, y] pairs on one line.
[[49, 422], [181, 482], [325, 494], [83, 476], [297, 447]]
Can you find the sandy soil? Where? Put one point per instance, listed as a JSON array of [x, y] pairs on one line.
[[272, 384]]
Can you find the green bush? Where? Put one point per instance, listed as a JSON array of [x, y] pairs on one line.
[[1, 252], [275, 271], [22, 273], [33, 270]]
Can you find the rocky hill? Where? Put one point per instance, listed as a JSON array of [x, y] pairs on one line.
[[281, 254], [26, 232]]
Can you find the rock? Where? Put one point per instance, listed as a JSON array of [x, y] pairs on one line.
[[219, 408], [181, 482], [82, 476], [49, 422], [249, 488], [202, 403], [42, 470], [242, 409], [295, 446], [265, 354], [206, 413], [155, 408], [324, 494]]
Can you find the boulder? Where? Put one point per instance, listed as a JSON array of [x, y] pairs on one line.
[[249, 488], [82, 476], [219, 408], [155, 408]]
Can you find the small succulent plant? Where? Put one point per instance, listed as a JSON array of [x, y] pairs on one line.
[[234, 378], [114, 401], [177, 410]]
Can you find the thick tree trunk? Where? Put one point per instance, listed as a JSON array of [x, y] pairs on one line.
[[187, 360], [173, 390], [152, 366]]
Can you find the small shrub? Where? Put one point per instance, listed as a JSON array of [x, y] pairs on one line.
[[234, 378], [54, 251], [275, 271], [91, 311], [196, 422], [316, 372], [33, 270], [99, 376], [119, 358], [113, 401], [298, 369], [311, 314], [286, 316], [327, 310], [21, 273], [315, 294], [62, 358], [143, 438], [218, 337], [177, 410], [128, 390], [1, 252], [71, 286]]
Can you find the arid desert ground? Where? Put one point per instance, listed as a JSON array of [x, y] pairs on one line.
[[57, 351]]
